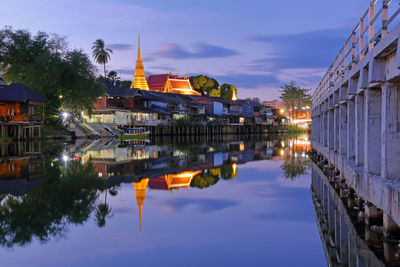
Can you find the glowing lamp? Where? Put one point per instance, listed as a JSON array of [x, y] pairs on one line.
[[65, 115]]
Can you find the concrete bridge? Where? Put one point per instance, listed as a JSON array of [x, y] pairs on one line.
[[356, 109]]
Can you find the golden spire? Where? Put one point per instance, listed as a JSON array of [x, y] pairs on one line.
[[140, 190], [139, 79]]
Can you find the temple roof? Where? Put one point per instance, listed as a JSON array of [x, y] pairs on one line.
[[157, 82], [17, 92]]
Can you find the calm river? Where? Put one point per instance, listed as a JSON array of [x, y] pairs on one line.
[[160, 203]]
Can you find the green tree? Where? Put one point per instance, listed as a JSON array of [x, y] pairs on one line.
[[113, 76], [294, 97], [228, 91], [215, 93], [203, 84], [126, 84], [44, 63], [101, 54]]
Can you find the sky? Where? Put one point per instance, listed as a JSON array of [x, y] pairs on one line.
[[257, 45]]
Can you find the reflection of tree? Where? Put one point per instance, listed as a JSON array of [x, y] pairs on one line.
[[227, 172], [295, 163], [46, 211], [102, 211], [293, 167], [204, 180]]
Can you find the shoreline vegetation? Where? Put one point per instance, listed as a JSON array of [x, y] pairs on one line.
[[43, 61]]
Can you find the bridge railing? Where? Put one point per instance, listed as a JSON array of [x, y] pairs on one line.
[[373, 26]]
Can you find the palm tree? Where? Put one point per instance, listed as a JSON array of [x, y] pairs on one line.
[[101, 54], [101, 212], [294, 97]]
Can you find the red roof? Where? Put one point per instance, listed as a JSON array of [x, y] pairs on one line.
[[158, 183], [157, 82]]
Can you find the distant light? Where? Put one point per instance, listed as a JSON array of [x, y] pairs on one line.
[[82, 113], [65, 115], [60, 96], [307, 107], [282, 110], [100, 174], [65, 158]]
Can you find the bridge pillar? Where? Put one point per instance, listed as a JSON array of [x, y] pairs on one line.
[[343, 129], [336, 129], [372, 131], [325, 116], [359, 129], [390, 228], [351, 135], [390, 132], [331, 129]]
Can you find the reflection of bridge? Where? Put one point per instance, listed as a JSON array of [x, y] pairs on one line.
[[347, 238]]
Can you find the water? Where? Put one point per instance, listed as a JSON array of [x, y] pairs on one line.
[[164, 203]]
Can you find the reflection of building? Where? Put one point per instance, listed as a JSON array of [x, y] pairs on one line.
[[140, 191], [173, 181], [139, 79]]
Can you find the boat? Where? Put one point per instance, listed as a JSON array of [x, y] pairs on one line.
[[134, 133]]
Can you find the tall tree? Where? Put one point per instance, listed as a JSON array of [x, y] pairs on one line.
[[294, 97], [228, 91], [113, 76], [203, 84], [45, 64], [101, 54]]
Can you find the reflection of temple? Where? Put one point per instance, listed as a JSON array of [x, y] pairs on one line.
[[166, 182], [140, 191], [173, 181]]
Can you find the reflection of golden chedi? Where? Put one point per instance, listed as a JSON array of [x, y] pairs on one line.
[[140, 190], [139, 79]]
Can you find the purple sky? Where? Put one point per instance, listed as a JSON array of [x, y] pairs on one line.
[[256, 45]]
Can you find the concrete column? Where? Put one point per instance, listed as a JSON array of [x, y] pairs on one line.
[[390, 228], [326, 128], [351, 135], [336, 129], [373, 215], [331, 129], [372, 131], [390, 132], [359, 130], [343, 129]]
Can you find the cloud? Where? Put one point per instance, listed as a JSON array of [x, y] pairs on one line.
[[203, 205], [314, 49], [243, 80], [125, 71], [120, 47], [200, 50]]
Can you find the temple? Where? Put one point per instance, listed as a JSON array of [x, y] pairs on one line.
[[164, 83], [140, 191], [139, 79], [168, 83]]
